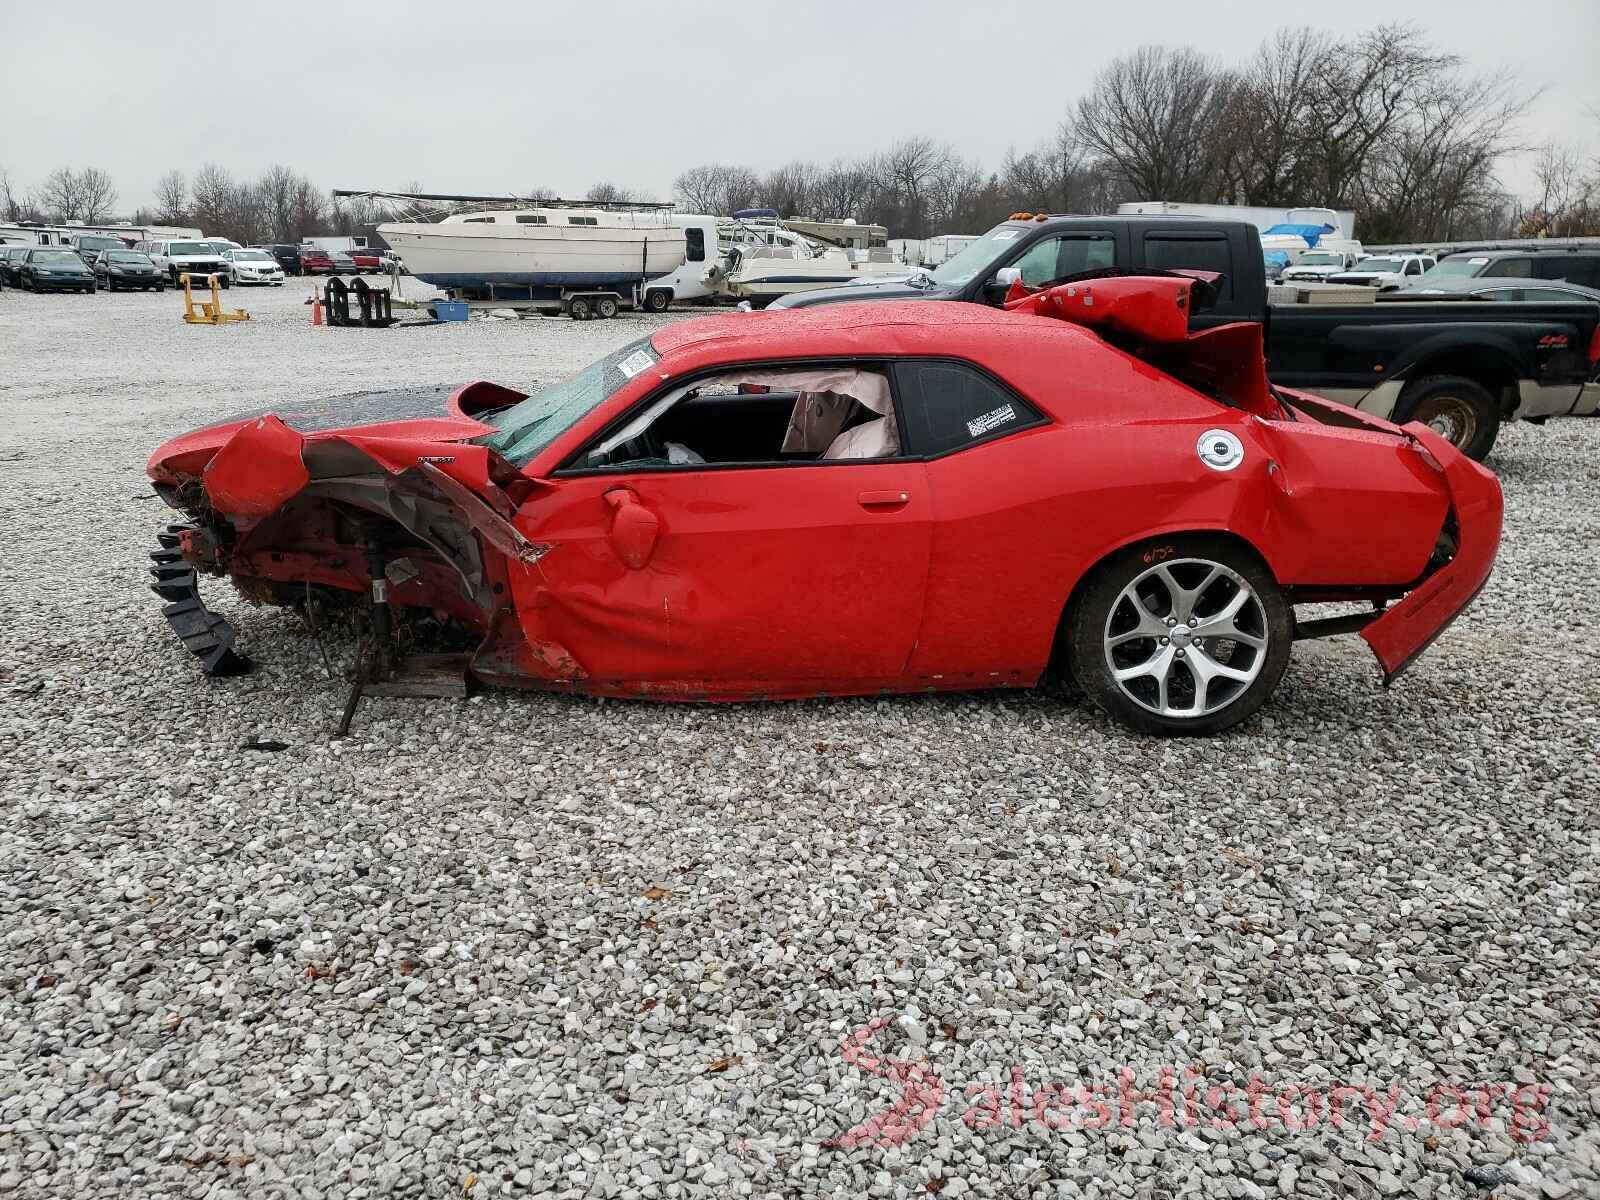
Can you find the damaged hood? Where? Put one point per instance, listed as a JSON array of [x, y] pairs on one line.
[[435, 414]]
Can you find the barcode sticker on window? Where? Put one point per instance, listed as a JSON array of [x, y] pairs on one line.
[[639, 360], [991, 420]]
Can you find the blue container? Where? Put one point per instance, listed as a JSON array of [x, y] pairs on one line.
[[448, 310]]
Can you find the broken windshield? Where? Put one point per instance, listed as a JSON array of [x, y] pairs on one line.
[[532, 424]]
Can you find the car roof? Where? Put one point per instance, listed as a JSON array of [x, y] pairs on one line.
[[1480, 283], [1526, 252], [834, 330]]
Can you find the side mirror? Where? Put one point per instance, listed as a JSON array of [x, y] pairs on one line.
[[1005, 277], [634, 528]]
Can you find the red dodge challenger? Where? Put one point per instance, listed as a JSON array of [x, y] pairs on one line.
[[859, 499]]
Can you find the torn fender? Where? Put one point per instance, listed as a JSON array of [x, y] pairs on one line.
[[1400, 636]]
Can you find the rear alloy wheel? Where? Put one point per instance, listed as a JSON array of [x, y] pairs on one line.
[[1181, 636], [1461, 411], [605, 308], [579, 310]]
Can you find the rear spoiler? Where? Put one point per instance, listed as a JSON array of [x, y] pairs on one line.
[[1148, 316]]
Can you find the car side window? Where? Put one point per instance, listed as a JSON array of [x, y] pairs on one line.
[[949, 406], [695, 244], [1413, 266], [755, 417], [1510, 268]]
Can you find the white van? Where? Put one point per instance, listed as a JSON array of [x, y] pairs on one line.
[[179, 256]]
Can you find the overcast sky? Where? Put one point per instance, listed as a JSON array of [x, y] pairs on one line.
[[501, 97]]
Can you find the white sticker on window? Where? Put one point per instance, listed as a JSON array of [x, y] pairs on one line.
[[639, 360], [991, 420], [1476, 262], [1005, 235]]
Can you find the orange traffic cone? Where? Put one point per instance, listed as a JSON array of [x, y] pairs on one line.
[[316, 312]]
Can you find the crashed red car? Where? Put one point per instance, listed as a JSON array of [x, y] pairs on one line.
[[867, 498]]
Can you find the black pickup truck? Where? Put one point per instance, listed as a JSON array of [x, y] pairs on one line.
[[1461, 367]]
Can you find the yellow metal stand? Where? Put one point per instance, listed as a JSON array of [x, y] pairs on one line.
[[208, 312]]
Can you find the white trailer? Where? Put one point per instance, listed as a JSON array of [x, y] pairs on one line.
[[1343, 220]]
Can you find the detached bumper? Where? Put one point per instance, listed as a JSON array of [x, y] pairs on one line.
[[1400, 636]]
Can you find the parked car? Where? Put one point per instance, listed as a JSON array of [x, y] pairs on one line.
[[315, 261], [690, 484], [181, 256], [1317, 265], [1506, 290], [1463, 373], [366, 260], [118, 269], [91, 245], [55, 269], [343, 264], [253, 266], [222, 245], [11, 263], [1572, 265], [288, 257], [1384, 271]]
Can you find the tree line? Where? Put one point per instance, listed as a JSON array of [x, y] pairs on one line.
[[1380, 122]]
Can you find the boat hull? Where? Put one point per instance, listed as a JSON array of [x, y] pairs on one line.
[[466, 257]]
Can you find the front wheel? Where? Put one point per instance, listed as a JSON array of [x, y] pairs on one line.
[[1182, 635], [1462, 411], [657, 301]]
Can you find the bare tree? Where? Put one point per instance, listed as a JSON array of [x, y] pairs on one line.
[[904, 175], [14, 205], [62, 195], [172, 198], [1362, 94], [211, 199], [97, 194], [1151, 115], [1050, 177], [716, 189], [606, 192], [842, 189]]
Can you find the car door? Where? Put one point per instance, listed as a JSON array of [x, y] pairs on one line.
[[996, 481], [729, 580]]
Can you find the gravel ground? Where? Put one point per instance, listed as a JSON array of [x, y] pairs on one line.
[[527, 945]]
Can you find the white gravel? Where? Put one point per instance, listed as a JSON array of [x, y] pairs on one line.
[[528, 945]]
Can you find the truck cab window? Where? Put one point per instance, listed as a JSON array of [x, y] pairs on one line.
[[1050, 259], [1192, 252], [695, 241]]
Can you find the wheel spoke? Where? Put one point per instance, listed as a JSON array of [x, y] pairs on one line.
[[1150, 626], [1225, 623], [1158, 666]]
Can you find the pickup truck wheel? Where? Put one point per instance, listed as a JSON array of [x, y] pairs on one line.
[[1182, 635], [1459, 410]]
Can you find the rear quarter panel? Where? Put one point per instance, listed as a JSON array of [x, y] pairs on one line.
[[1018, 522]]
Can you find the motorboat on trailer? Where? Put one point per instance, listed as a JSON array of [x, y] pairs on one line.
[[762, 259]]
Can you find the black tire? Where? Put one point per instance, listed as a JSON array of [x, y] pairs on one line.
[[578, 309], [1104, 609], [657, 301], [224, 282], [606, 307], [1461, 410]]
